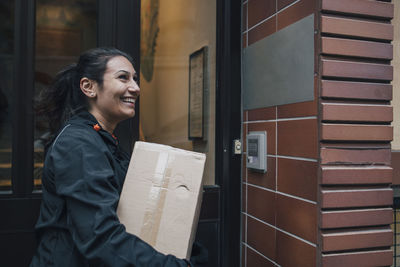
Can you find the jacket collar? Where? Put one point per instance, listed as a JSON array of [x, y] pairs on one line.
[[85, 117]]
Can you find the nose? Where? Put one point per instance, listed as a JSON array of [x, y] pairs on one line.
[[134, 87]]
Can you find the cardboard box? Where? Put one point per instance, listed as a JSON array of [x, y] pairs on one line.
[[161, 197]]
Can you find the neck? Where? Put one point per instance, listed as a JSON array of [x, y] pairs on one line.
[[105, 123]]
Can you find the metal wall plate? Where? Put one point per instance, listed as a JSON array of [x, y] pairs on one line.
[[279, 69]]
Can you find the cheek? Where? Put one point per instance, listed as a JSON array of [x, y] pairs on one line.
[[117, 93]]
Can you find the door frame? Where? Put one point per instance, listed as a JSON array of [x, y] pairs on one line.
[[228, 128]]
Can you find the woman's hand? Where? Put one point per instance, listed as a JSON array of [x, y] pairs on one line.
[[199, 256]]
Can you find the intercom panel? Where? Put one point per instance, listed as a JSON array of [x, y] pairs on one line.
[[257, 150]]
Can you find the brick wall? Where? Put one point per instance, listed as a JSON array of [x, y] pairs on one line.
[[355, 90], [280, 212], [325, 199]]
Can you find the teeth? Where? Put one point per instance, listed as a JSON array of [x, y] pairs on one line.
[[130, 100]]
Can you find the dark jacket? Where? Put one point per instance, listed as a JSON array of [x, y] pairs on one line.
[[83, 174]]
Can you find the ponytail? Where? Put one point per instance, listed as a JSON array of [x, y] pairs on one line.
[[59, 101]]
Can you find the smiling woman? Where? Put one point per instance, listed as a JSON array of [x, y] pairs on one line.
[[114, 100], [85, 167]]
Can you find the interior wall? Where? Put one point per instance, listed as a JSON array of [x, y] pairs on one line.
[[184, 27]]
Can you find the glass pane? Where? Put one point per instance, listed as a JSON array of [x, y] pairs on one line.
[[64, 29], [177, 36], [6, 85]]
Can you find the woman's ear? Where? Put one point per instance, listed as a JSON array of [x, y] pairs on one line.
[[88, 87]]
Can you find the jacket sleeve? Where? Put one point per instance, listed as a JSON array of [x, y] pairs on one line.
[[84, 177]]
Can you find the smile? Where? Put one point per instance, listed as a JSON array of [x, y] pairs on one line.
[[129, 100]]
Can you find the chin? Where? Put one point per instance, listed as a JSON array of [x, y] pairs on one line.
[[131, 115]]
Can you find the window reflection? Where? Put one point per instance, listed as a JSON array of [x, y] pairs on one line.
[[64, 29], [6, 85]]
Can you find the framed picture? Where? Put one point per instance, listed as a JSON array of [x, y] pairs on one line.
[[197, 70]]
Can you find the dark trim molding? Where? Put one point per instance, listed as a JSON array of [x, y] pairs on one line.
[[106, 23], [22, 117], [209, 225], [210, 209], [228, 119]]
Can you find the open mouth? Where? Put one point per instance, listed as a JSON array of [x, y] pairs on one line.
[[130, 100]]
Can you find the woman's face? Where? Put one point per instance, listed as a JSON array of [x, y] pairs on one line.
[[115, 99]]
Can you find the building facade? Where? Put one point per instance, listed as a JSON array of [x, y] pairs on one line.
[[318, 77], [326, 199]]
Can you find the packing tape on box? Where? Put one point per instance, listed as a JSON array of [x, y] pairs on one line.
[[156, 200]]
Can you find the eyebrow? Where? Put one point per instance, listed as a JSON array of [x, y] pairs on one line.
[[124, 71]]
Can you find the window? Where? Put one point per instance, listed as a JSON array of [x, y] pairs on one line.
[[170, 36], [63, 31]]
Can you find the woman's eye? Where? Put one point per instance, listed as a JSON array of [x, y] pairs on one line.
[[135, 78], [123, 77]]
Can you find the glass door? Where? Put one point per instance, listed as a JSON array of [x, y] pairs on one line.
[[178, 91], [37, 39], [63, 30]]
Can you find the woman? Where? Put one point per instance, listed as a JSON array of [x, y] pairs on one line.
[[84, 168]]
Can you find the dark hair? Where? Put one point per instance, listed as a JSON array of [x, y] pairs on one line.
[[64, 97]]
